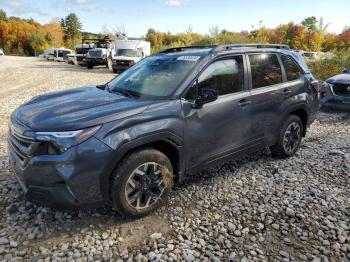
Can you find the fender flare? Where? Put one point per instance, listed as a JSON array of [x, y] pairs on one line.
[[299, 106]]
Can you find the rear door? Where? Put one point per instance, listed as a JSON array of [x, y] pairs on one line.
[[272, 93], [219, 127]]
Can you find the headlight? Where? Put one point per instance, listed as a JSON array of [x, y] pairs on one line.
[[62, 141]]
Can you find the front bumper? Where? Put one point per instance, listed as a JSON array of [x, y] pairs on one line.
[[332, 102], [120, 65], [66, 181], [94, 61]]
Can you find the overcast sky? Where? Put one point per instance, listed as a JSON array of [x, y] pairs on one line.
[[136, 16]]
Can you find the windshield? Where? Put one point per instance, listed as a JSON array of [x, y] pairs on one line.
[[102, 45], [155, 76], [127, 52]]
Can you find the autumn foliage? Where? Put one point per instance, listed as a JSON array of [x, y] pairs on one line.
[[27, 37]]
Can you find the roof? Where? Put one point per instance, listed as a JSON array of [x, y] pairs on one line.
[[211, 49]]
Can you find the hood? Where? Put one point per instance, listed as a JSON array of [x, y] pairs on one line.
[[127, 58], [76, 109], [339, 79]]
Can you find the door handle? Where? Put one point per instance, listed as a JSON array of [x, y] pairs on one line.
[[243, 103], [286, 92]]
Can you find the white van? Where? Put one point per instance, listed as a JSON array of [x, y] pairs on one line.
[[128, 53], [61, 54]]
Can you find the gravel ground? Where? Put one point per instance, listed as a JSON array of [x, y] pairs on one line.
[[255, 209]]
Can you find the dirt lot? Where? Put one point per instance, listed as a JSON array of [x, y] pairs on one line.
[[255, 209]]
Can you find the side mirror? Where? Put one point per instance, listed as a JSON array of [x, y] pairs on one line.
[[205, 95], [345, 71]]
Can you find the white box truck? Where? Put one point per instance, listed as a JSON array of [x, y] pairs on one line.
[[128, 53]]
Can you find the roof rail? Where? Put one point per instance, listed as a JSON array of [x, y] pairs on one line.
[[183, 48], [261, 45]]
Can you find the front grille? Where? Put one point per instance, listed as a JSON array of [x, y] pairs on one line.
[[341, 89], [95, 53], [122, 63], [23, 147]]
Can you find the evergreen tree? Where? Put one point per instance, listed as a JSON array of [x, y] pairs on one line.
[[71, 29]]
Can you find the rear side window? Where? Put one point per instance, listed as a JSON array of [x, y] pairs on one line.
[[292, 70], [265, 70], [226, 76]]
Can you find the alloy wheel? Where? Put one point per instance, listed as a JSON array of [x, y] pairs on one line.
[[145, 185], [292, 137]]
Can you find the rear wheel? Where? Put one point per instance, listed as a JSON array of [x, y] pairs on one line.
[[141, 183], [115, 71], [289, 139], [90, 66]]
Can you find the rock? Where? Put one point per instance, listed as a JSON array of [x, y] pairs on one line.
[[260, 226], [275, 226], [151, 256], [336, 152], [12, 209], [290, 212], [105, 235], [3, 241], [284, 254], [170, 247], [13, 243], [237, 233], [156, 236], [189, 258]]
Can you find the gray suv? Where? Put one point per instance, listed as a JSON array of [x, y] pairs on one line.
[[174, 113]]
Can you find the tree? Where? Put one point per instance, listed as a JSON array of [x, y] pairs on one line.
[[311, 25], [55, 33], [3, 16], [71, 29]]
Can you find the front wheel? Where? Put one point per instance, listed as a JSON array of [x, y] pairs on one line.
[[90, 66], [141, 183], [289, 139]]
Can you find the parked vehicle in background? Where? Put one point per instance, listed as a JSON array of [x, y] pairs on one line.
[[47, 52], [308, 55], [101, 54], [128, 53], [335, 92], [61, 54], [82, 49], [173, 113], [50, 54], [2, 52], [72, 59]]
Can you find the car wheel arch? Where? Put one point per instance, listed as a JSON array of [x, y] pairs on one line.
[[300, 111], [169, 144]]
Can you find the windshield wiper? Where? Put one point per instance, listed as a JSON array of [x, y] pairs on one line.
[[124, 92]]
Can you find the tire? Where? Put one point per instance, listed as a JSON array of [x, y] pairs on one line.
[[130, 194], [90, 66], [115, 71], [288, 144]]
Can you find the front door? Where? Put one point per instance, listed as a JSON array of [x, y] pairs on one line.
[[219, 127]]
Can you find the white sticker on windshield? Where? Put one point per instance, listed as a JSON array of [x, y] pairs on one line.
[[189, 58]]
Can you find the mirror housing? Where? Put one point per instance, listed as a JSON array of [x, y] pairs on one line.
[[345, 71], [206, 95]]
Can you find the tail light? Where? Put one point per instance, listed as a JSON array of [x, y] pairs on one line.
[[315, 84]]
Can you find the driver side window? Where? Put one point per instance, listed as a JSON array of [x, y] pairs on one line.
[[225, 76]]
